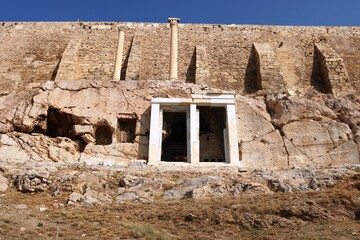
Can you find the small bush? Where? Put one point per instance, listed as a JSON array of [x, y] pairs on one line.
[[148, 232]]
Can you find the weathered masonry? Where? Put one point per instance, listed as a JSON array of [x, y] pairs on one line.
[[240, 58], [198, 130]]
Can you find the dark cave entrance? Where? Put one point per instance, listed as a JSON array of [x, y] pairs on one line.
[[59, 124], [127, 130], [103, 134], [174, 137], [212, 126]]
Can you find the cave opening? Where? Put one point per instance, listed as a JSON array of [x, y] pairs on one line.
[[127, 130], [59, 124], [103, 134], [174, 137]]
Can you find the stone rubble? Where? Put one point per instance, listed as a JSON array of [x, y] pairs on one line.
[[105, 185]]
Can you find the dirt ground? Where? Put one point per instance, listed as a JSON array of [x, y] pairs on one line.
[[330, 214]]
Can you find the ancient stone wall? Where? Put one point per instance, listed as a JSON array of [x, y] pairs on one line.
[[36, 52], [66, 68], [201, 65], [335, 77]]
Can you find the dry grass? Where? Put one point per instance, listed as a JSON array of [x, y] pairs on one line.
[[214, 218], [148, 232]]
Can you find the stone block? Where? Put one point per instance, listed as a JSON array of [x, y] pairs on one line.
[[90, 160], [3, 183], [82, 129], [109, 162], [267, 152]]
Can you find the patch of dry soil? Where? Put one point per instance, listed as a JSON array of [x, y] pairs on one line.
[[330, 214]]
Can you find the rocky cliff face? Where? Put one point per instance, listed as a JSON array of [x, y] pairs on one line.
[[279, 130], [78, 121]]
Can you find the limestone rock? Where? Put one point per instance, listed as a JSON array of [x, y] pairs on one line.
[[90, 197], [250, 187], [309, 141], [11, 150], [37, 147], [129, 181], [90, 160], [201, 193], [13, 110], [128, 196], [203, 180], [94, 197], [109, 162], [278, 185], [253, 120], [3, 183], [63, 122], [89, 179], [175, 193], [321, 182], [266, 152], [121, 153], [88, 138], [33, 182], [345, 153], [79, 130], [309, 137], [75, 198], [347, 109], [20, 206], [284, 109]]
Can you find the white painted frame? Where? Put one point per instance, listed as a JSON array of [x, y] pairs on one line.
[[193, 123]]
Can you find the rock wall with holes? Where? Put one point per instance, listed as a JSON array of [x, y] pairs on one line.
[[33, 53], [108, 123]]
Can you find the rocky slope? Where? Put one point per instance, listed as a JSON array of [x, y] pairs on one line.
[[44, 200], [144, 184]]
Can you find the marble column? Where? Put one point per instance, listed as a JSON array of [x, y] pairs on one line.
[[155, 135], [233, 147], [173, 48], [194, 142], [119, 53]]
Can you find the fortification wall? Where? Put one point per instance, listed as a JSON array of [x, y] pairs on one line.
[[236, 58]]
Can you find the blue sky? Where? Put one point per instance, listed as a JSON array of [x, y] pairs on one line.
[[272, 12]]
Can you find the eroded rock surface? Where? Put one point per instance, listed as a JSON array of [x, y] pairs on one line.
[[100, 185], [107, 123]]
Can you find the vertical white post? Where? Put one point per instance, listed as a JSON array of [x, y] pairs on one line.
[[194, 134], [160, 128], [118, 58], [173, 48], [232, 134], [188, 136], [155, 135], [226, 145]]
